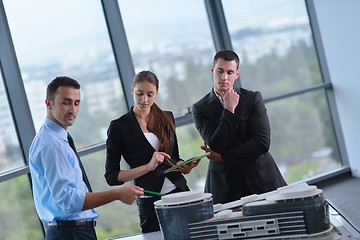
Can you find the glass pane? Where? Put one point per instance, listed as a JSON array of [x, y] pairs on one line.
[[172, 39], [303, 142], [56, 38], [19, 218], [10, 152], [274, 41], [189, 141], [116, 218]]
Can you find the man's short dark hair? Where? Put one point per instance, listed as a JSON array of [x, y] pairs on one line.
[[227, 55], [59, 82]]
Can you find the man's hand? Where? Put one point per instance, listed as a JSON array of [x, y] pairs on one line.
[[213, 155], [129, 193], [231, 100]]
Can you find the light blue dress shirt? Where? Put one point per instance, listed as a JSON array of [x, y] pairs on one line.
[[58, 188]]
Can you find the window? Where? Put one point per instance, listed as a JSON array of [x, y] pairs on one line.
[[302, 138], [116, 218], [278, 56], [189, 141], [19, 219], [275, 44], [55, 38], [173, 40], [67, 38], [10, 153]]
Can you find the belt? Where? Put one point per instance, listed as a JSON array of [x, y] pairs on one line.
[[72, 223]]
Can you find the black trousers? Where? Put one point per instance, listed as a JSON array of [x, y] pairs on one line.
[[147, 214], [148, 219], [70, 233]]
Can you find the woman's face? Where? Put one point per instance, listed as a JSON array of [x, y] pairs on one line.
[[144, 94]]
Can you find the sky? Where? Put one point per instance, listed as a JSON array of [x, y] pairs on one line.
[[42, 29]]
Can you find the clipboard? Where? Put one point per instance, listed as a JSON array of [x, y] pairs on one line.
[[192, 159]]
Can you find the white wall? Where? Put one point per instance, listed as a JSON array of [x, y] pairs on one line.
[[340, 32]]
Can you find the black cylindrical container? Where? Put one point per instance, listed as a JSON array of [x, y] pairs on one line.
[[175, 211]]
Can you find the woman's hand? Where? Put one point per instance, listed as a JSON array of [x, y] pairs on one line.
[[156, 159], [186, 168]]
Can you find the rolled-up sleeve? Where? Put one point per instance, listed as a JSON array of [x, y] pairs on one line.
[[64, 177]]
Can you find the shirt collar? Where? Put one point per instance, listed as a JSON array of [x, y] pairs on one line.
[[59, 130], [220, 99]]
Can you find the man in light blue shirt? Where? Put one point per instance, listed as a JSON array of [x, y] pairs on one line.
[[60, 187]]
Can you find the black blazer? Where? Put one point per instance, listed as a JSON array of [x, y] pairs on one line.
[[126, 139], [243, 140]]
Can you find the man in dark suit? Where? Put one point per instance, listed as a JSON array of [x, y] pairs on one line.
[[236, 131]]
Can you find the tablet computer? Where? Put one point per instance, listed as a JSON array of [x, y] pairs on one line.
[[192, 159]]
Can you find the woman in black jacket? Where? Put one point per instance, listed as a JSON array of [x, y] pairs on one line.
[[145, 137]]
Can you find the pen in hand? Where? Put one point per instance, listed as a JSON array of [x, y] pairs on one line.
[[167, 160], [154, 193]]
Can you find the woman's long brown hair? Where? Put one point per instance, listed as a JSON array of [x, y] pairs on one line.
[[159, 122]]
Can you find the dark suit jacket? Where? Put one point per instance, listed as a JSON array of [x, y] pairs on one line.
[[243, 140], [126, 139]]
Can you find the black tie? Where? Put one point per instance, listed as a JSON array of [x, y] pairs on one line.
[[86, 180]]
